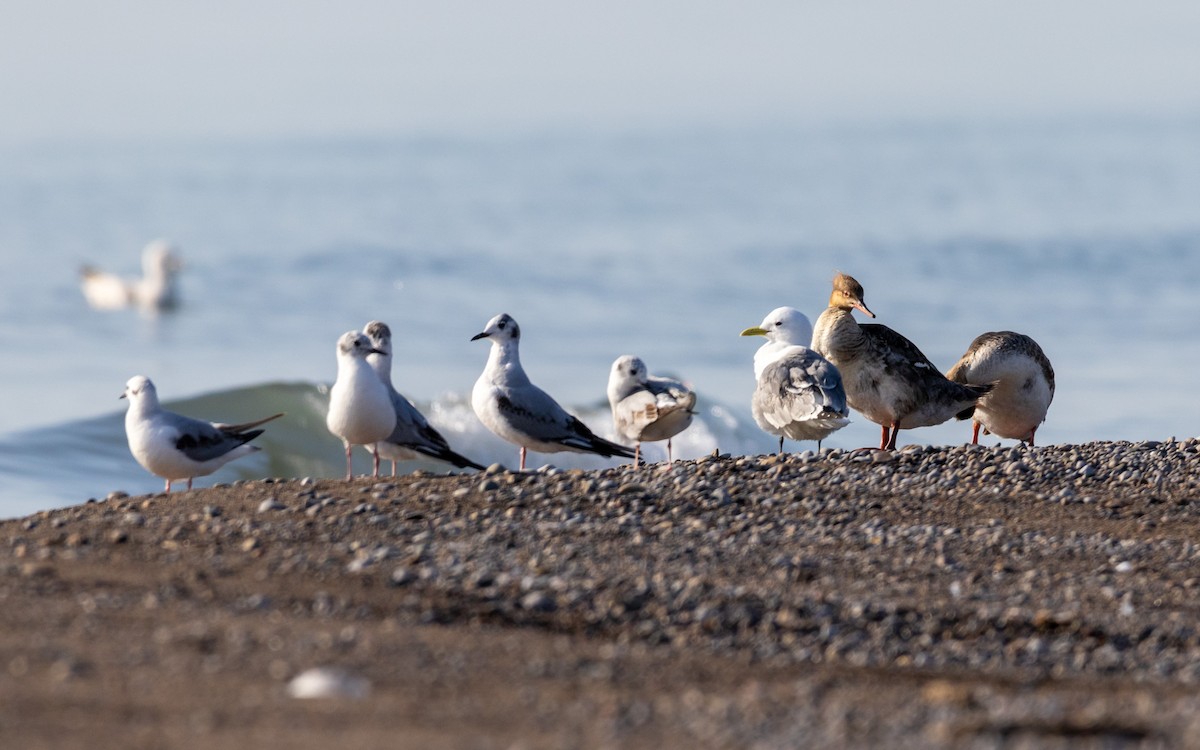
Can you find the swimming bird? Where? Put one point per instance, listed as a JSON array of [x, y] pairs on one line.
[[647, 407], [515, 409], [176, 447], [413, 436], [799, 394], [153, 292], [360, 407], [886, 376], [1023, 382]]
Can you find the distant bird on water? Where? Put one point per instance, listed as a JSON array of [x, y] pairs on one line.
[[1022, 379], [886, 376], [799, 394], [360, 407], [155, 291], [176, 447], [647, 407], [413, 436], [515, 409]]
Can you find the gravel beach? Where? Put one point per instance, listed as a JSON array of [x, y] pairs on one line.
[[927, 597]]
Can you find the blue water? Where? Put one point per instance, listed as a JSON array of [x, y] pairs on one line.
[[1085, 235]]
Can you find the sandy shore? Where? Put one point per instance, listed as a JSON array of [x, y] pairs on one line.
[[964, 597]]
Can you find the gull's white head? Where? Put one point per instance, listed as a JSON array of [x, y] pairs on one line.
[[355, 345], [380, 336], [138, 388], [500, 329], [626, 377], [628, 368], [784, 325]]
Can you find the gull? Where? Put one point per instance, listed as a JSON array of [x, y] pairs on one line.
[[799, 394], [153, 292], [647, 407], [413, 436], [887, 378], [176, 447], [520, 412], [1023, 382], [360, 407]]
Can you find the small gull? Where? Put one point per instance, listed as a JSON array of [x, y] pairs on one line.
[[799, 394], [1023, 382], [413, 436], [647, 407], [520, 412], [887, 378], [360, 408], [176, 447], [153, 292]]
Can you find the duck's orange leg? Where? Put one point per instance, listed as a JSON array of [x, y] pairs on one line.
[[975, 434], [891, 444]]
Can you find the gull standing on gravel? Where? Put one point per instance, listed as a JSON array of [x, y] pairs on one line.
[[799, 394], [520, 412], [413, 437], [647, 407], [360, 408], [887, 378], [1023, 382], [176, 447], [153, 292]]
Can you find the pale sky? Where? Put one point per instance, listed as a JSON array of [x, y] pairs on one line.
[[134, 68]]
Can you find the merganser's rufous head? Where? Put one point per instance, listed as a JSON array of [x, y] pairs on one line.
[[848, 294]]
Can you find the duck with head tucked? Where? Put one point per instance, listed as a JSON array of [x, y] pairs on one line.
[[1023, 382], [887, 378]]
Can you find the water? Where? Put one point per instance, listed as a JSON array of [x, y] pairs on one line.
[[665, 245]]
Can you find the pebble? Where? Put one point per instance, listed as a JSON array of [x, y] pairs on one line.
[[328, 682]]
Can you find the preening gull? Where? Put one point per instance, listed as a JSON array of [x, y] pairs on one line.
[[647, 407]]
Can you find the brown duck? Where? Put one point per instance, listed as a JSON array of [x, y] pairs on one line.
[[886, 376]]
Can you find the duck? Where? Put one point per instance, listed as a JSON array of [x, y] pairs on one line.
[[798, 394], [516, 410], [154, 292], [1022, 379], [646, 407], [887, 378]]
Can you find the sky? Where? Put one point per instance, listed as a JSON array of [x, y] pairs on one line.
[[163, 68]]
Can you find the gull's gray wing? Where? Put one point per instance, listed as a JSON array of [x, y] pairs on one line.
[[530, 410], [414, 432], [799, 387]]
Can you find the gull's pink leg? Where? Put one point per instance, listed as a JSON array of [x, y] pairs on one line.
[[393, 467], [975, 434], [522, 458], [375, 473], [189, 483], [670, 454], [349, 475], [637, 454], [168, 490], [895, 434], [883, 439]]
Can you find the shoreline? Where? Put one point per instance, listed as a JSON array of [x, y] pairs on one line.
[[927, 597]]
